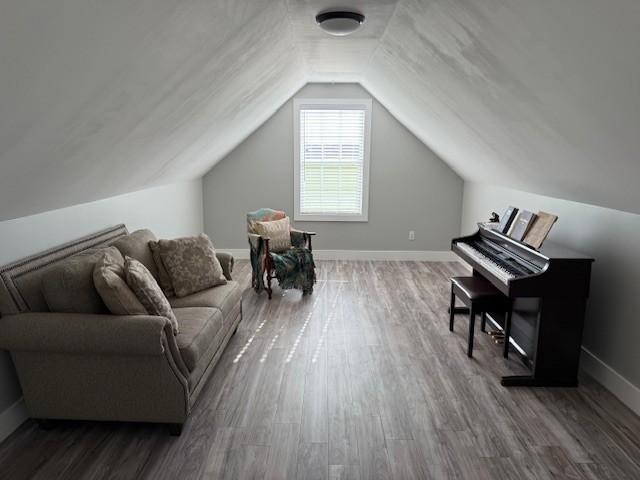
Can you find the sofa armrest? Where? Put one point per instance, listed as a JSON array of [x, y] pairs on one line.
[[83, 333], [226, 260]]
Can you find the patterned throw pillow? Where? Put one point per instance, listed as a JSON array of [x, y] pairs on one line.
[[148, 291], [192, 264], [277, 231], [109, 280]]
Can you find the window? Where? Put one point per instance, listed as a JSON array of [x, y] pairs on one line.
[[332, 143]]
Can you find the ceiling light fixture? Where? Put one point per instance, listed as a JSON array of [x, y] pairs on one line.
[[340, 23]]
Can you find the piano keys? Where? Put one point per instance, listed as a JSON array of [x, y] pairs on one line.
[[549, 289]]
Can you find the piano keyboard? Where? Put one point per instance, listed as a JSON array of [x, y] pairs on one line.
[[503, 272]]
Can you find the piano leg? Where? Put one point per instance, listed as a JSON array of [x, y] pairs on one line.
[[452, 309], [507, 331], [557, 354]]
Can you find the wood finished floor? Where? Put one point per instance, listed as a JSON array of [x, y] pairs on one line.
[[361, 380]]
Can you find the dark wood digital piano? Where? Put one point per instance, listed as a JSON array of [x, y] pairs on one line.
[[549, 289]]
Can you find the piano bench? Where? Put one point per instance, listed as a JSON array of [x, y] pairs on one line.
[[480, 296]]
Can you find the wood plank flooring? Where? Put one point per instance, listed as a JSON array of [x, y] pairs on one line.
[[362, 380]]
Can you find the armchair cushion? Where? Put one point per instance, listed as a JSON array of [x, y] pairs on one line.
[[148, 291], [198, 330], [109, 280], [68, 285], [263, 215], [277, 231], [192, 264]]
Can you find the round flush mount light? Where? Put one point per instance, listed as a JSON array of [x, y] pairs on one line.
[[340, 23]]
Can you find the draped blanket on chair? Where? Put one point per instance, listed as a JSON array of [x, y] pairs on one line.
[[295, 269]]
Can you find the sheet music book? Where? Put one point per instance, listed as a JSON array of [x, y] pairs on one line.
[[521, 225], [507, 219], [540, 229]]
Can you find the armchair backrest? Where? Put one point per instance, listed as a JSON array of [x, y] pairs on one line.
[[263, 215]]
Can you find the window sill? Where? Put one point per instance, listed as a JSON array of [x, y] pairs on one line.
[[330, 218]]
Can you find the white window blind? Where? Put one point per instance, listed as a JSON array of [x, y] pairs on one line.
[[332, 161]]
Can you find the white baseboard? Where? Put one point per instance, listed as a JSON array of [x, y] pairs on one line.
[[12, 418], [622, 388], [400, 255], [238, 253]]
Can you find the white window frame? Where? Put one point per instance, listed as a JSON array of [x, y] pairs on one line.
[[332, 104]]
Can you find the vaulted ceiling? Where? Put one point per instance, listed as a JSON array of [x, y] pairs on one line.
[[99, 98]]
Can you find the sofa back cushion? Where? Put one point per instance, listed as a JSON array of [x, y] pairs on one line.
[[21, 281], [164, 279], [109, 280], [68, 285], [148, 291], [192, 264], [136, 246]]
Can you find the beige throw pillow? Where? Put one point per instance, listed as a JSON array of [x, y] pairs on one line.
[[192, 264], [164, 280], [277, 231], [109, 280], [148, 291]]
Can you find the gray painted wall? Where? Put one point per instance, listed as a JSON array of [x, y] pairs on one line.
[[169, 211], [410, 187], [612, 237]]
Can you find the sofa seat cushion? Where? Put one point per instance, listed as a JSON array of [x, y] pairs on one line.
[[198, 330], [223, 297]]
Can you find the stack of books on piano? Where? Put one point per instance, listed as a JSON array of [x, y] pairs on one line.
[[527, 227]]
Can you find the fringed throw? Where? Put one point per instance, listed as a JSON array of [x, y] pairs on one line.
[[295, 269]]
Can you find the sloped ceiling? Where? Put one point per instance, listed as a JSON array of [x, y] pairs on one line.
[[100, 98]]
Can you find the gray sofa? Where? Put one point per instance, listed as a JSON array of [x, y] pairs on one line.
[[108, 367]]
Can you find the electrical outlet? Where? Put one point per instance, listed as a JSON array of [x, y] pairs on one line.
[[412, 235]]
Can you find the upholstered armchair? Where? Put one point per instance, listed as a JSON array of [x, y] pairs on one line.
[[293, 268]]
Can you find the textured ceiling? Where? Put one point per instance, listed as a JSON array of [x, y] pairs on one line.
[[100, 98]]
